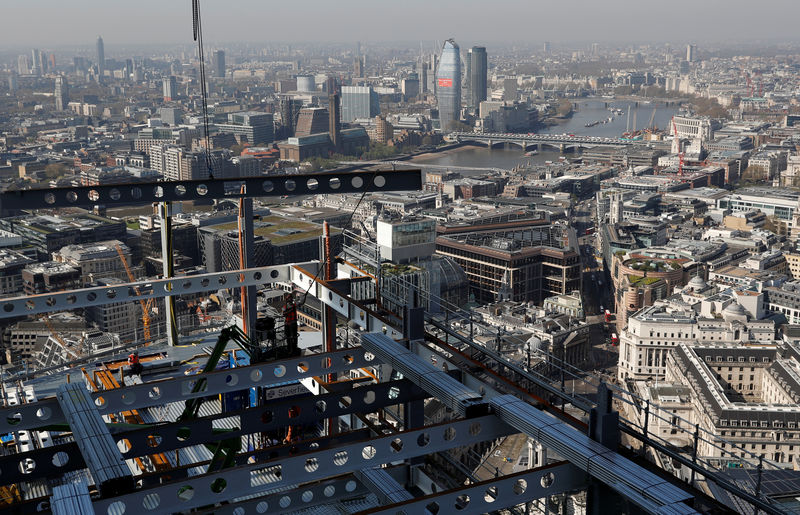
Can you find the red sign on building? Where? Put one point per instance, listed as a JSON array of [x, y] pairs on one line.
[[445, 83]]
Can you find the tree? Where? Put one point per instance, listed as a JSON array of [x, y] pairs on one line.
[[457, 125], [55, 170], [564, 107]]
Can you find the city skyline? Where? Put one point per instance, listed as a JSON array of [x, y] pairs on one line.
[[79, 22]]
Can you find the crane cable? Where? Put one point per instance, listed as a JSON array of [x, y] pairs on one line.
[[197, 27]]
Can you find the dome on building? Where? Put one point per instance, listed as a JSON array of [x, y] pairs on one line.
[[535, 344], [697, 284], [734, 311]]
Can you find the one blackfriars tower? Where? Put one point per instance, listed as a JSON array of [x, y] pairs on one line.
[[448, 85], [101, 59], [478, 74]]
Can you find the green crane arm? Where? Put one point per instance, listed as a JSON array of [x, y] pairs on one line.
[[232, 333]]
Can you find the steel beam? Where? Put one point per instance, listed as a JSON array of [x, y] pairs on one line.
[[245, 480], [99, 451], [149, 289], [494, 494], [454, 395], [295, 498], [175, 435], [302, 276], [71, 498], [383, 485], [643, 488], [48, 411], [175, 191]]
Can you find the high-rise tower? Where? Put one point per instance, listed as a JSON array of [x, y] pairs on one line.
[[219, 63], [101, 59], [170, 88], [478, 75], [61, 93], [691, 53], [448, 85], [334, 121]]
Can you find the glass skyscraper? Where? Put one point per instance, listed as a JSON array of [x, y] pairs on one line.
[[359, 102], [448, 85], [478, 70], [101, 59]]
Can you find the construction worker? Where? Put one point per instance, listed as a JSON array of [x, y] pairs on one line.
[[134, 364], [290, 325]]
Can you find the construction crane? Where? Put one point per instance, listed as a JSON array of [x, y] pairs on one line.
[[58, 338], [749, 83], [145, 305], [650, 124]]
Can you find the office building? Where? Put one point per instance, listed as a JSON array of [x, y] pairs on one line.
[[359, 66], [383, 131], [691, 53], [120, 318], [178, 164], [305, 83], [170, 88], [546, 47], [658, 329], [101, 59], [410, 87], [746, 394], [359, 102], [12, 83], [350, 142], [290, 110], [50, 276], [219, 63], [48, 233], [448, 85], [96, 260], [252, 126], [61, 93], [478, 72], [529, 264], [37, 62], [22, 65], [11, 265], [24, 338]]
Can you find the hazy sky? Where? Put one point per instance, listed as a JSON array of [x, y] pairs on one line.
[[46, 23]]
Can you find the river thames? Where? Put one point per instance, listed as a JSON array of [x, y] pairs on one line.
[[588, 111]]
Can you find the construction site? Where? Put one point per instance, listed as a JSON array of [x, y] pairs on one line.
[[326, 400]]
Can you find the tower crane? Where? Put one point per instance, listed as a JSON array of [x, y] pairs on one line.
[[145, 305]]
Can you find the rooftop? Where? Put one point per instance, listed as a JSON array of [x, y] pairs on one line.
[[280, 230]]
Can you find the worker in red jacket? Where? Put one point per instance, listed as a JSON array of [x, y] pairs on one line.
[[134, 364]]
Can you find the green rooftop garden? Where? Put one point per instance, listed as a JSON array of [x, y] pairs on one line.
[[642, 281]]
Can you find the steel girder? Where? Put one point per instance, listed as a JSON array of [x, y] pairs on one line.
[[148, 289], [48, 411], [295, 498], [67, 457], [494, 494], [209, 489], [206, 189]]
